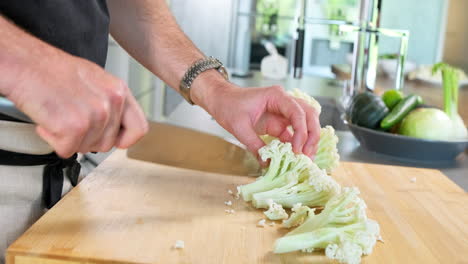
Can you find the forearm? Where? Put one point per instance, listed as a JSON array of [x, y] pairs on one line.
[[149, 32], [19, 53]]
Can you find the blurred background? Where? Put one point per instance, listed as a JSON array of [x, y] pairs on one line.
[[237, 30]]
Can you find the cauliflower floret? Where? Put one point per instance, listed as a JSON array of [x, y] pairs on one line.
[[313, 188], [309, 99], [285, 167], [276, 212], [327, 156]]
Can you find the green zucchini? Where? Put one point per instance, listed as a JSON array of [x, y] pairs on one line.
[[400, 111], [367, 110]]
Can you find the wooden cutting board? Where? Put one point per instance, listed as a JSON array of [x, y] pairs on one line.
[[130, 211]]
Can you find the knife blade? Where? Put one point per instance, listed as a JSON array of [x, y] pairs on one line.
[[190, 149]]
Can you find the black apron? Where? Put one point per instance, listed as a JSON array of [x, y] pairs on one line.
[[79, 27]]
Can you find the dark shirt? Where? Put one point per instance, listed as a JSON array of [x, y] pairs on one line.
[[79, 27]]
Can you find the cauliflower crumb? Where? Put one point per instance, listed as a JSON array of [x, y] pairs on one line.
[[261, 223], [308, 250], [179, 244], [230, 192], [413, 179], [238, 192], [379, 238], [272, 224], [230, 211], [228, 203]]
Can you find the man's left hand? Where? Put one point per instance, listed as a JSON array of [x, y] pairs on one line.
[[250, 112]]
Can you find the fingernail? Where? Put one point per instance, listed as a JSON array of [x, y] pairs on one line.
[[297, 150]]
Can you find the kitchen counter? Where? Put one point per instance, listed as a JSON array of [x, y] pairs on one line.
[[349, 148]]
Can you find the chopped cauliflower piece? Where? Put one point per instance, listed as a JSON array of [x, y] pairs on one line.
[[276, 212], [179, 244], [272, 223], [346, 252], [300, 213], [281, 157], [230, 192], [413, 179], [294, 181], [342, 229], [261, 223], [230, 211], [228, 203]]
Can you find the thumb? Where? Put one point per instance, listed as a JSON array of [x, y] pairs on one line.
[[251, 140], [133, 125]]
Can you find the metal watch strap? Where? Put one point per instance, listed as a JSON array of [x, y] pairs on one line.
[[196, 69]]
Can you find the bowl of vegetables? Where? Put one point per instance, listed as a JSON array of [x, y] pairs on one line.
[[403, 127]]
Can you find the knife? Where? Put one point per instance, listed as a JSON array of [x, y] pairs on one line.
[[8, 108], [190, 149], [177, 146]]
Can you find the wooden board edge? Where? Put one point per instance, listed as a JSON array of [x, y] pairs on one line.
[[9, 258], [27, 258]]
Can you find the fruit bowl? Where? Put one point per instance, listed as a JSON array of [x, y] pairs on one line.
[[405, 147]]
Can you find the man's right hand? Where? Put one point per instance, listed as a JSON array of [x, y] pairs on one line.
[[77, 106]]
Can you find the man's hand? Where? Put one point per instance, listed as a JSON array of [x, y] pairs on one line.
[[249, 112], [77, 106]]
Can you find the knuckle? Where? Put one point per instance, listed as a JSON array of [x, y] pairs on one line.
[[101, 111], [117, 94]]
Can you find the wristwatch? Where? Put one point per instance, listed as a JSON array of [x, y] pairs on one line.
[[196, 69]]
